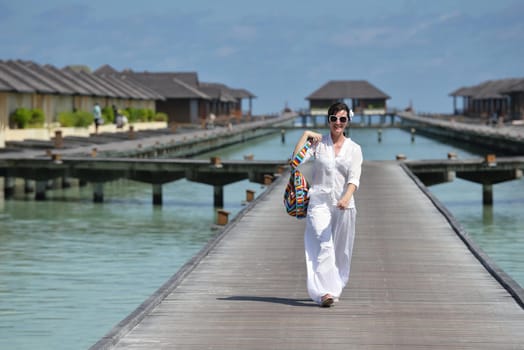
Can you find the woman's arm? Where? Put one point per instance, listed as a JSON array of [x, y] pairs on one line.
[[343, 202], [308, 134], [354, 172]]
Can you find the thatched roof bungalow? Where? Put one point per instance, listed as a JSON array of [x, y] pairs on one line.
[[502, 97], [366, 98]]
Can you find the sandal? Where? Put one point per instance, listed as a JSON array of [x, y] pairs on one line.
[[327, 300]]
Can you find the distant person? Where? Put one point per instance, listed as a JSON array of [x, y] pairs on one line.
[[331, 214], [121, 120], [115, 113], [500, 118], [97, 113], [212, 119], [494, 118]]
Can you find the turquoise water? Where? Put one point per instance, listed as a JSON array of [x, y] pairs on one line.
[[71, 269]]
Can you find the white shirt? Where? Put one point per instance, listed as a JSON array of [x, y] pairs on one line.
[[332, 174]]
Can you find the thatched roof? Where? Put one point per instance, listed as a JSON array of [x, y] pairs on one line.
[[242, 93], [169, 85], [30, 77], [490, 89], [217, 92], [347, 89], [517, 87], [183, 85]]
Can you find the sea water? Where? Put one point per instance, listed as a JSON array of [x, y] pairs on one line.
[[71, 269]]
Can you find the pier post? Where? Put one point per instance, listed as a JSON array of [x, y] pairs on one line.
[[490, 160], [59, 140], [218, 196], [9, 187], [66, 182], [29, 186], [41, 187], [98, 192], [250, 195], [157, 194], [379, 132], [216, 162], [487, 194], [222, 217]]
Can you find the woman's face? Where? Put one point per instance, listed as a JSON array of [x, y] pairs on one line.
[[338, 122]]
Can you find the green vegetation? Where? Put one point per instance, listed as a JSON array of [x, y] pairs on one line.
[[143, 115], [160, 117], [28, 118], [75, 119], [23, 118], [139, 114], [108, 115]]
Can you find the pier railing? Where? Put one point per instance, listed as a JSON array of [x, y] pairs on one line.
[[156, 172]]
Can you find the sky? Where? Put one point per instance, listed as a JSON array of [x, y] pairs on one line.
[[416, 51]]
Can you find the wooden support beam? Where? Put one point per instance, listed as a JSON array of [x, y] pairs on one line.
[[218, 196], [98, 192], [157, 194], [40, 192]]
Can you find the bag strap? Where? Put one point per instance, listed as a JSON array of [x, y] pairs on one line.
[[299, 157]]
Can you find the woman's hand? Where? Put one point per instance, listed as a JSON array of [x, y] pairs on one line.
[[314, 136], [343, 203], [308, 134]]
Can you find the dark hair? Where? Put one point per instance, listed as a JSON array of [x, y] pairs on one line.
[[337, 107]]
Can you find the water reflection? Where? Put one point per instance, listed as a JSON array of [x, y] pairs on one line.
[[487, 215]]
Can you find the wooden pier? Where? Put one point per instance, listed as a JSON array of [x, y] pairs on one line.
[[503, 140], [156, 172], [108, 157], [487, 172], [417, 282]]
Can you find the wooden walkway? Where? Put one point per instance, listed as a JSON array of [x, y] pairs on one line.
[[414, 285]]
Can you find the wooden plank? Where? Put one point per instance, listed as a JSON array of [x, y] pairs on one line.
[[413, 285]]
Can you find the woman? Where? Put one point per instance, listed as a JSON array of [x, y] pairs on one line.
[[330, 225]]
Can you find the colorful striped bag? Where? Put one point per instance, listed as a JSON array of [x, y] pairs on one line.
[[296, 197]]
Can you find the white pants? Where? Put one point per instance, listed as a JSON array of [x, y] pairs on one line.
[[328, 239]]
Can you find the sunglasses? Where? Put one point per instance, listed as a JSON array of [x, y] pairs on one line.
[[334, 118]]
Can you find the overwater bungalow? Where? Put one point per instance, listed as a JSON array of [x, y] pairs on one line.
[[516, 97], [366, 99], [502, 98]]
